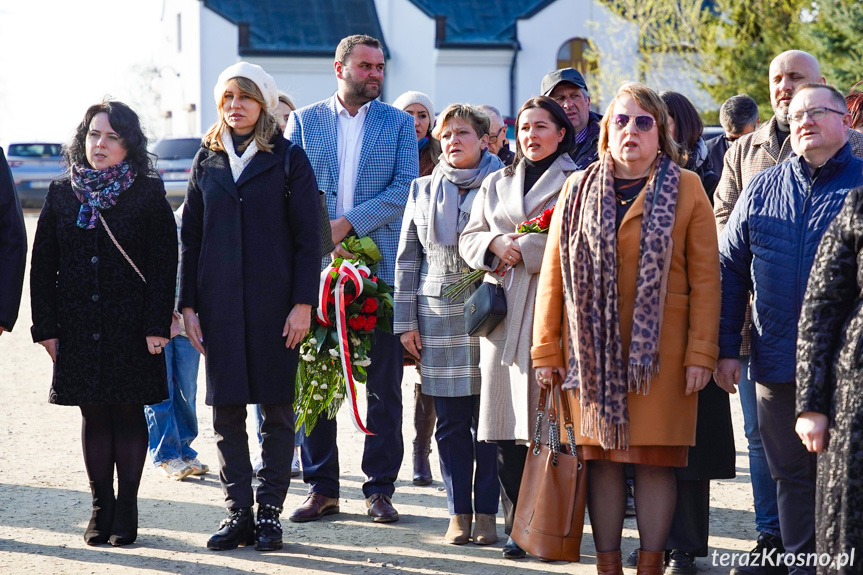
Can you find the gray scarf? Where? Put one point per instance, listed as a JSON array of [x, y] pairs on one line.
[[445, 223]]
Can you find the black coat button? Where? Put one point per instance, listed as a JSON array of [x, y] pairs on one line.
[[96, 336], [94, 259], [95, 297]]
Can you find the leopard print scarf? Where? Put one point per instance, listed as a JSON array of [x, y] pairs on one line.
[[588, 248]]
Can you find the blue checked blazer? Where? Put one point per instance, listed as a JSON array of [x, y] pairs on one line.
[[389, 162]]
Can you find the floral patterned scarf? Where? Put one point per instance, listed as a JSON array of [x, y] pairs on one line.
[[99, 189], [588, 248]]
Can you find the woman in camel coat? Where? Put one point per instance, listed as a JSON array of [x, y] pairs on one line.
[[506, 199], [632, 391]]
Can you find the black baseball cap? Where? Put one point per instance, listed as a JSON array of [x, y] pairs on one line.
[[571, 75]]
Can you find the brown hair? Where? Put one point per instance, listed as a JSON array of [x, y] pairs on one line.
[[473, 115], [265, 127], [346, 45], [649, 101]]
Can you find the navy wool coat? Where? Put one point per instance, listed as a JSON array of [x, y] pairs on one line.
[[249, 253], [84, 293]]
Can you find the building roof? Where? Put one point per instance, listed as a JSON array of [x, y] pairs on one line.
[[297, 27], [478, 23]]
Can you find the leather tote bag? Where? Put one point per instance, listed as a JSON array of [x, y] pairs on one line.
[[549, 517], [484, 309]]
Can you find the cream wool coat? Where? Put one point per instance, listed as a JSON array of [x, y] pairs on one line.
[[509, 394]]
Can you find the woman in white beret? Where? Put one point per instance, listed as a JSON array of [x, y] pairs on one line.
[[251, 247]]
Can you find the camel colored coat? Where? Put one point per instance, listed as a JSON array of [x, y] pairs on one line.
[[690, 323], [509, 394]]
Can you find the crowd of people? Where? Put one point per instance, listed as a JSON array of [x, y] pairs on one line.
[[675, 271]]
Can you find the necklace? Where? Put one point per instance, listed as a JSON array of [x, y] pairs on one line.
[[623, 202]]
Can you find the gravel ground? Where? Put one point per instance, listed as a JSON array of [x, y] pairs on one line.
[[44, 485]]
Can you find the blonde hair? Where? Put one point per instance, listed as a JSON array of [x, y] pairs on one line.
[[285, 99], [265, 127], [649, 101]]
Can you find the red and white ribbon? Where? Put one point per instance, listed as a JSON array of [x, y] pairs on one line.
[[346, 272]]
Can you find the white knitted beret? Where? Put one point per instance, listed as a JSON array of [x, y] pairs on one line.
[[256, 74], [413, 97]]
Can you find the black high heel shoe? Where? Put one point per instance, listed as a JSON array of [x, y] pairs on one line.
[[268, 530], [237, 529]]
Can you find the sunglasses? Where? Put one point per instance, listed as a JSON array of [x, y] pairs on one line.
[[642, 123]]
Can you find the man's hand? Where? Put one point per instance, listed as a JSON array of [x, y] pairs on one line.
[[727, 374], [811, 427], [156, 344], [341, 227]]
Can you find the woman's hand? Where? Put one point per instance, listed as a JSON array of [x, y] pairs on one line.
[[193, 329], [412, 342], [156, 344], [544, 375], [811, 427], [297, 325], [506, 248], [696, 378], [50, 346]]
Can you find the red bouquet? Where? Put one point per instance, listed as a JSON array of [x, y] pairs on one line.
[[537, 225]]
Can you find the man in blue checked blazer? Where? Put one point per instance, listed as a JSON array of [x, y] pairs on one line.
[[364, 154]]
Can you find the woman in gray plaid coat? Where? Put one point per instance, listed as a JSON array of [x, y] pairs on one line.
[[432, 326]]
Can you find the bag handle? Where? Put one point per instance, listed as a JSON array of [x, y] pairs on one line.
[[119, 247], [553, 423]]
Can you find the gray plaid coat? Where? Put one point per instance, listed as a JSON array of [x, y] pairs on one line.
[[749, 155], [450, 358]]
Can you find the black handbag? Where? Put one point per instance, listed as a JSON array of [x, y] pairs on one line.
[[327, 245], [485, 309]]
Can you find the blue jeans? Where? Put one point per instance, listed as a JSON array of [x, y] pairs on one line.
[[173, 424], [763, 485]]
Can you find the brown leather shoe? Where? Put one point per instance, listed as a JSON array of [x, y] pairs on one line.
[[314, 507], [381, 509], [458, 532], [650, 562], [484, 529]]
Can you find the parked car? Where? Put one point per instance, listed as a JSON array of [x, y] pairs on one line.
[[174, 162], [33, 166]]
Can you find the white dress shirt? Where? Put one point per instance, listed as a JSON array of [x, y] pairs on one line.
[[350, 133]]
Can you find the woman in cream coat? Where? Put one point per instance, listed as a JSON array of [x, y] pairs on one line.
[[506, 199]]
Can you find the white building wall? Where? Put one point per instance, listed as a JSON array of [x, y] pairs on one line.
[[410, 36], [179, 61], [305, 80], [219, 49], [542, 36], [472, 76]]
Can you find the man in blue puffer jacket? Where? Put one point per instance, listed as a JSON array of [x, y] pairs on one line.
[[768, 248]]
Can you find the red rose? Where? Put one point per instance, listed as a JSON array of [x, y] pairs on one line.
[[370, 322], [370, 305], [357, 323], [349, 298]]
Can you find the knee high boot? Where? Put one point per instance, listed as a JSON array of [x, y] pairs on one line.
[[125, 529], [99, 529], [424, 423]]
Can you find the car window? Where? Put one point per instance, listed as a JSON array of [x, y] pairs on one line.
[[35, 150], [176, 149]]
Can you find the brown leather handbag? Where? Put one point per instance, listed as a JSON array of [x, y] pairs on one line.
[[549, 517]]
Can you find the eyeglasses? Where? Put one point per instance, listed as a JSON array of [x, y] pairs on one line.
[[642, 123], [815, 114], [493, 139]]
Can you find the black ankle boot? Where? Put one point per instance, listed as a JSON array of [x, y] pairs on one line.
[[99, 529], [125, 528], [268, 530], [237, 529]]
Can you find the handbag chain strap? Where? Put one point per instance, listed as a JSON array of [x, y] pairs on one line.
[[540, 411], [122, 251], [553, 426]]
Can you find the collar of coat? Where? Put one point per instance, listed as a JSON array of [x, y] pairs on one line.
[[216, 165], [831, 168]]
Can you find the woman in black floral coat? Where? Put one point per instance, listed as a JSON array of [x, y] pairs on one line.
[[102, 287], [830, 385]]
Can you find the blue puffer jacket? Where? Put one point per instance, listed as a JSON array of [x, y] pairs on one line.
[[768, 247]]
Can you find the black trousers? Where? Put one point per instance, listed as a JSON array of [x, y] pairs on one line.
[[277, 449], [690, 527], [510, 468], [792, 467]]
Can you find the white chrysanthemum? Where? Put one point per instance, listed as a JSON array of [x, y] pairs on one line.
[[314, 383], [313, 341], [323, 386], [334, 352], [317, 397], [323, 368], [309, 410], [338, 395], [308, 357], [363, 362]]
